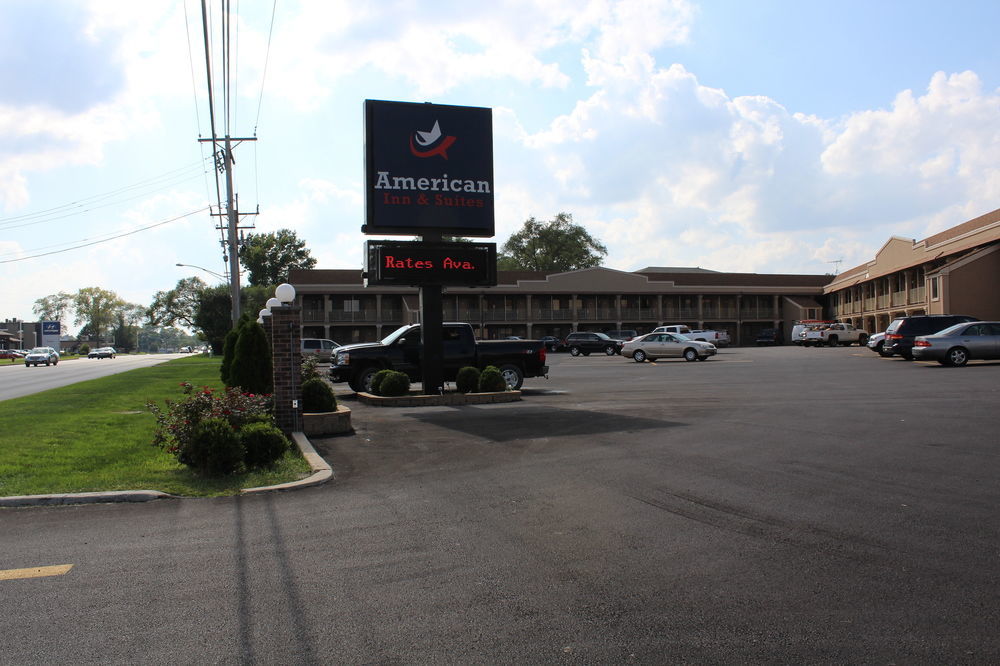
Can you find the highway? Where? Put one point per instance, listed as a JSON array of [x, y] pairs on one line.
[[17, 380]]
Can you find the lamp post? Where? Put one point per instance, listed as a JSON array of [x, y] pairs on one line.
[[218, 275]]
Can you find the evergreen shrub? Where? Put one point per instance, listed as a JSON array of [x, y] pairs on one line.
[[309, 369], [377, 381], [251, 368], [467, 379], [317, 396], [394, 384], [491, 381], [84, 349], [263, 445], [213, 449]]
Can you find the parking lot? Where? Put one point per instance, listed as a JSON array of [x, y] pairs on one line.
[[769, 504]]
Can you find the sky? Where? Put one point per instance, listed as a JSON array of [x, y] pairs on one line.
[[774, 136]]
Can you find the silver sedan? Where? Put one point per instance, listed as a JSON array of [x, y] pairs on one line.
[[958, 344], [660, 345]]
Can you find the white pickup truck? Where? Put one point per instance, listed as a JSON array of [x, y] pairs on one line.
[[833, 334], [717, 338]]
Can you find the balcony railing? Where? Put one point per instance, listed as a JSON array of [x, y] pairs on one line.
[[504, 315], [882, 301], [917, 295], [597, 314], [554, 314], [361, 315], [898, 298], [641, 314], [675, 314], [313, 316], [754, 313]]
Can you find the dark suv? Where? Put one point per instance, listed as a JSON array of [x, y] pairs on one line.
[[584, 342], [899, 336]]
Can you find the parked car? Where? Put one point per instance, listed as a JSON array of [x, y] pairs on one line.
[[40, 355], [767, 337], [622, 335], [11, 354], [900, 334], [321, 348], [800, 326], [877, 344], [552, 343], [585, 342], [958, 344], [102, 352], [662, 345]]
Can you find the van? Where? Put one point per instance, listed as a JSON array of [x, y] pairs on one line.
[[319, 347]]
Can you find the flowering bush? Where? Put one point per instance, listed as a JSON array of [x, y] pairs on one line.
[[178, 424]]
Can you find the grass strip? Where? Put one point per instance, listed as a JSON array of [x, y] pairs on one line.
[[96, 436]]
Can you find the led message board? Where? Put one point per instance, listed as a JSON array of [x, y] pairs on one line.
[[428, 168], [413, 263]]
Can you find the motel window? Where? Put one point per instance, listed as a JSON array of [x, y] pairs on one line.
[[935, 293]]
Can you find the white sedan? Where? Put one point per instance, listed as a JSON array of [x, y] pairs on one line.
[[663, 345]]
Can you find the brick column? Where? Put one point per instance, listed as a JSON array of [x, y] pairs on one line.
[[286, 359]]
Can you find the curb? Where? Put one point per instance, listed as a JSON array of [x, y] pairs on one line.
[[322, 472]]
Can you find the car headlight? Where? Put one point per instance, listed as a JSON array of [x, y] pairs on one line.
[[343, 358]]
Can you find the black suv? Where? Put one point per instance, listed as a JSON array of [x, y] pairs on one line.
[[584, 342], [899, 336]]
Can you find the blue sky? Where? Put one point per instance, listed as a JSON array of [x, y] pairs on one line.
[[766, 136]]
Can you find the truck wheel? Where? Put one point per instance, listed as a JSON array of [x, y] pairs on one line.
[[832, 341], [362, 381], [513, 376], [863, 341], [638, 356], [690, 355], [574, 351]]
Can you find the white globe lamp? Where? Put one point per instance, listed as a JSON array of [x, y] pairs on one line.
[[285, 292]]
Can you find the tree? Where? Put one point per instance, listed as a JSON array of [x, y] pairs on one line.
[[268, 257], [251, 368], [97, 309], [556, 245], [213, 316], [56, 307], [128, 320], [178, 305]]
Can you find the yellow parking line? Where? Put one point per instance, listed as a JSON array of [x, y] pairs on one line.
[[35, 572]]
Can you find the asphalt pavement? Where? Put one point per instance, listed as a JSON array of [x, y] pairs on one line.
[[777, 505]]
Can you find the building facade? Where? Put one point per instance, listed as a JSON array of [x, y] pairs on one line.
[[336, 305], [952, 272]]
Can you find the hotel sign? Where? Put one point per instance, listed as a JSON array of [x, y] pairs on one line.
[[428, 168], [410, 263]]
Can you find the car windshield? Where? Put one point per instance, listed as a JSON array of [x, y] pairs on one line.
[[602, 336], [954, 329], [398, 333], [40, 350]]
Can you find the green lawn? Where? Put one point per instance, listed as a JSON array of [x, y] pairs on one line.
[[97, 435]]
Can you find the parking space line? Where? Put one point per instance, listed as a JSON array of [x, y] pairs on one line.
[[35, 572]]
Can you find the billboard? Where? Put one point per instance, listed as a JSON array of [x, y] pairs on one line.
[[428, 168], [413, 263]]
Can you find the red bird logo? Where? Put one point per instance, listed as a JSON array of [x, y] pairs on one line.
[[432, 142]]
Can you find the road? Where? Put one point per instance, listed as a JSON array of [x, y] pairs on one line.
[[17, 380], [778, 505]]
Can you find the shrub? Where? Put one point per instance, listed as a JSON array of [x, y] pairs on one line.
[[228, 349], [251, 369], [491, 381], [214, 448], [178, 422], [84, 349], [377, 381], [263, 445], [467, 379], [317, 396], [309, 369], [394, 384]]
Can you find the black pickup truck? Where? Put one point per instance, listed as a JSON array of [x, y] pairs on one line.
[[400, 350]]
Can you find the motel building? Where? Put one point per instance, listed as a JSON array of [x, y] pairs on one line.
[[336, 305], [953, 272]]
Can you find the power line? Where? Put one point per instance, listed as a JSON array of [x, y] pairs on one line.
[[267, 58], [105, 240]]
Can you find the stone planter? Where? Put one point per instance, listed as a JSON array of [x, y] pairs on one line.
[[321, 424]]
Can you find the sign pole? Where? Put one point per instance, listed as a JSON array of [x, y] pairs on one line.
[[432, 351]]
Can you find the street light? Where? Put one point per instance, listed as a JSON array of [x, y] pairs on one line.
[[218, 275]]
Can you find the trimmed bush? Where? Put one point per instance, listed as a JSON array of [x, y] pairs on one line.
[[467, 379], [394, 384], [317, 396], [263, 445], [84, 349], [213, 449], [491, 381], [377, 381]]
